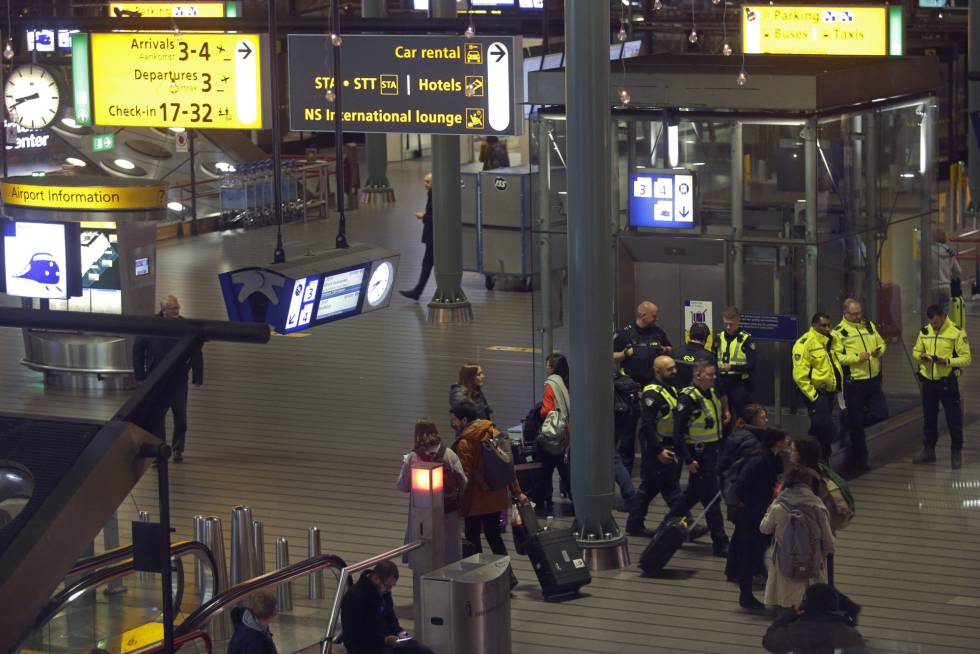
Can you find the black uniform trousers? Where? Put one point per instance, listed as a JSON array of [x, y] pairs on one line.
[[866, 406], [702, 487], [625, 425], [427, 259], [822, 427], [739, 393], [947, 393], [655, 477], [748, 548], [178, 405]]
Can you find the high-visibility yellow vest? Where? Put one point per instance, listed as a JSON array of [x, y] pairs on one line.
[[948, 343], [730, 349], [853, 338], [705, 426], [665, 423]]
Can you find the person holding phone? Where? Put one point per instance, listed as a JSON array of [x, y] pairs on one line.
[[859, 347], [367, 616]]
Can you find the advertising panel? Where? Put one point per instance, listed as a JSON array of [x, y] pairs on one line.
[[39, 259]]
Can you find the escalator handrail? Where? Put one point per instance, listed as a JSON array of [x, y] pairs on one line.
[[218, 603], [110, 573]]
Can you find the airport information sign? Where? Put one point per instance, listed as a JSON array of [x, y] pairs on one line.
[[815, 29], [662, 199], [159, 79], [398, 83], [206, 9]]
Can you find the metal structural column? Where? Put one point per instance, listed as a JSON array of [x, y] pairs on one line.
[[973, 100], [376, 145], [590, 275], [738, 220], [870, 125], [927, 170], [449, 304], [810, 267], [544, 238]]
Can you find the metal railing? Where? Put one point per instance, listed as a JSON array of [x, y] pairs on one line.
[[100, 572], [345, 575], [199, 618]]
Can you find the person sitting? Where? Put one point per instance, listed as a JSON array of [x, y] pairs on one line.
[[367, 615], [252, 635], [814, 627]]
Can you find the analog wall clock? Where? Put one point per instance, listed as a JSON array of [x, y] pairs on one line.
[[32, 96], [380, 283]]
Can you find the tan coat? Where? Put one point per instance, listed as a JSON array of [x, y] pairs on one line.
[[782, 590], [477, 498]]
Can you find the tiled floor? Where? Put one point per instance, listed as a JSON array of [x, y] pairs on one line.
[[310, 431]]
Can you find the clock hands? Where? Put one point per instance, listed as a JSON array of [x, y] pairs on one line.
[[26, 98]]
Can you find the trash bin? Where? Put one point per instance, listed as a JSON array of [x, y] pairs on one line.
[[466, 606]]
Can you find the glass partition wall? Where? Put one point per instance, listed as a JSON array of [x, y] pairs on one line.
[[868, 176]]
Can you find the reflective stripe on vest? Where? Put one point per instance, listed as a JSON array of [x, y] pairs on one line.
[[701, 430], [733, 355], [665, 424]]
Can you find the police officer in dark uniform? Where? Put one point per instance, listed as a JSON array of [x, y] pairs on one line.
[[634, 349], [699, 420], [694, 349], [735, 351]]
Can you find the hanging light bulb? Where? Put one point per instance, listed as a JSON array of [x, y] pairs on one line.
[[624, 96], [176, 29], [716, 2], [470, 31], [8, 50], [693, 36], [658, 5], [742, 77], [331, 95], [336, 40], [621, 34], [726, 49]]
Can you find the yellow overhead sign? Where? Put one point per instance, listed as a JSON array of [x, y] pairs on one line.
[[98, 198], [198, 80], [167, 9], [814, 29]]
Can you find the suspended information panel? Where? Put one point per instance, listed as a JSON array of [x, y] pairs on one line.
[[814, 29], [398, 83], [662, 199], [203, 80], [155, 9]]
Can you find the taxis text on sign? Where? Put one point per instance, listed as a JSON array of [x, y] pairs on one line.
[[209, 81], [398, 83], [85, 198], [813, 29], [168, 9]]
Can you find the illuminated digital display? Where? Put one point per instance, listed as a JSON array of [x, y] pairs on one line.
[[662, 199], [340, 294]]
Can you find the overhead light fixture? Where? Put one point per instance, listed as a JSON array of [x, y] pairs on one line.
[[125, 164], [70, 122], [16, 489], [175, 206], [224, 167], [75, 161], [177, 130]]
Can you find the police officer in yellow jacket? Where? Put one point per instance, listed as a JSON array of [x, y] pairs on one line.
[[699, 420], [859, 347], [818, 376], [942, 352], [735, 351]]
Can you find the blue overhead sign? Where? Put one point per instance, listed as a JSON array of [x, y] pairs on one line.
[[662, 199], [771, 326]]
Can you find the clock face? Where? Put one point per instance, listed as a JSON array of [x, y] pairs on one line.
[[380, 283], [32, 96]]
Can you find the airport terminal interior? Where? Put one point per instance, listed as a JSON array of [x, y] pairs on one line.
[[789, 159]]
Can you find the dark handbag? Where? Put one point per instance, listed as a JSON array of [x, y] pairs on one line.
[[498, 466]]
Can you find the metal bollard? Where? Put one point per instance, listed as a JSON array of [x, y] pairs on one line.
[[313, 549], [213, 537], [284, 592], [242, 547], [258, 545], [144, 577], [198, 534]]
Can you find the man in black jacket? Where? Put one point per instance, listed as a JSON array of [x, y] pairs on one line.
[[148, 352], [815, 627], [367, 615], [428, 257]]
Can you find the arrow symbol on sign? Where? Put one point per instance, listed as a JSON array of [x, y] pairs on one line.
[[245, 50], [684, 212], [499, 53]]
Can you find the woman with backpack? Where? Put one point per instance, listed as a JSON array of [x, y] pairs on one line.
[[552, 440], [429, 447], [470, 387], [802, 539]]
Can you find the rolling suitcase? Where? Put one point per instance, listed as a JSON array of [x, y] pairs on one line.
[[558, 563], [667, 540]]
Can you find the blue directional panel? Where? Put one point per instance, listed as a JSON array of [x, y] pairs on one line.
[[662, 199]]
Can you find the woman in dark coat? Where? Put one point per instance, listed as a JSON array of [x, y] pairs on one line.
[[470, 387]]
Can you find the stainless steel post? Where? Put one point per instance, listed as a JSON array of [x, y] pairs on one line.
[[927, 170], [242, 548], [449, 304], [313, 549], [871, 196], [810, 266], [143, 577], [212, 535], [777, 290], [738, 216], [197, 531], [284, 592], [258, 547], [590, 274], [544, 238]]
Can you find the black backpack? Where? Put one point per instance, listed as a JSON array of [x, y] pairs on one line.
[[626, 398], [532, 424]]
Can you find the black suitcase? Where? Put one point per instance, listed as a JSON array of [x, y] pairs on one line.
[[667, 540], [558, 563]]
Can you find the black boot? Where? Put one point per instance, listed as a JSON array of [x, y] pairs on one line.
[[927, 455]]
